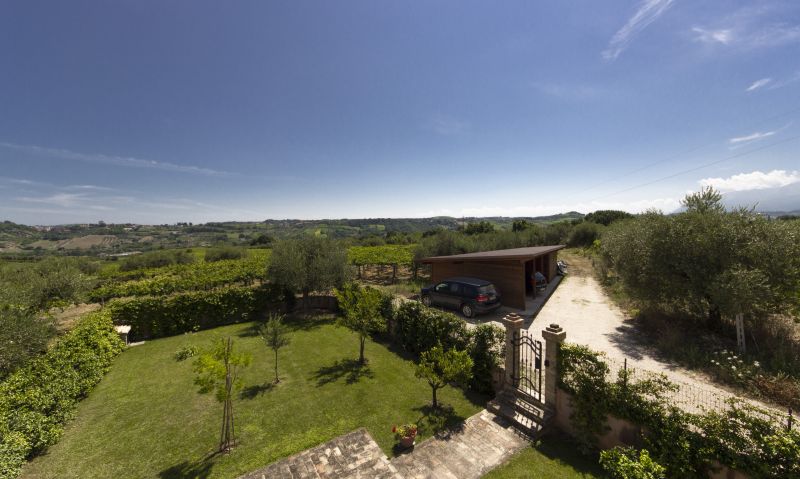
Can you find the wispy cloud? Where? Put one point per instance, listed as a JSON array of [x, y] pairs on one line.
[[723, 36], [752, 137], [647, 13], [759, 84], [751, 27], [113, 160], [566, 91], [447, 125], [756, 180]]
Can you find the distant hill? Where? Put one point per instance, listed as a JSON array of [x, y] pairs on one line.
[[775, 201]]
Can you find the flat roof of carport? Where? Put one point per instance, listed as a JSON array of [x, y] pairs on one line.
[[501, 254]]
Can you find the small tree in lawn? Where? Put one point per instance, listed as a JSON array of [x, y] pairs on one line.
[[440, 367], [275, 335], [217, 369], [361, 312]]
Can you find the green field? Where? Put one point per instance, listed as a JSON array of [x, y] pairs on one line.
[[146, 418]]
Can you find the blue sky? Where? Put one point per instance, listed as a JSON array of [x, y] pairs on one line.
[[154, 112]]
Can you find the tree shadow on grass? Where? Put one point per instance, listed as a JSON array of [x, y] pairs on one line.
[[252, 392], [560, 448], [190, 469], [349, 369], [441, 421]]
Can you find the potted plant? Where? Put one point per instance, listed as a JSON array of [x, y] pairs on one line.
[[406, 433]]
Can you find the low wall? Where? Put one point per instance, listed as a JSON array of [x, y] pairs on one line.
[[622, 433]]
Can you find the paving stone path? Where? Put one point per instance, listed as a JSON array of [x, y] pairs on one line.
[[483, 442]]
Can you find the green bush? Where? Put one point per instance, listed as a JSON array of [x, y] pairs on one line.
[[746, 438], [224, 252], [158, 316], [38, 399], [156, 259], [625, 463], [419, 328]]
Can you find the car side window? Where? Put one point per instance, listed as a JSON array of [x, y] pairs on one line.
[[455, 288], [441, 288]]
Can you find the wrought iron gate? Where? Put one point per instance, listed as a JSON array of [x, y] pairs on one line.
[[527, 371]]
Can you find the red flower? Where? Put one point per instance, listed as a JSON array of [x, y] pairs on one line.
[[394, 428]]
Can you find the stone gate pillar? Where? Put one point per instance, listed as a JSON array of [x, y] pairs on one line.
[[513, 324], [553, 336]]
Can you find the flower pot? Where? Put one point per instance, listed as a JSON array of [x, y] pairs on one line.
[[407, 441]]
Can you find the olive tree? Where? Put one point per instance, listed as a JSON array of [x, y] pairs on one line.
[[309, 264], [440, 368], [361, 312], [275, 335]]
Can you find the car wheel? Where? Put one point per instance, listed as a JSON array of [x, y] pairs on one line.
[[426, 300], [467, 311]]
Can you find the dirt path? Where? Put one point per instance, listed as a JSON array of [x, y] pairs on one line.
[[589, 317]]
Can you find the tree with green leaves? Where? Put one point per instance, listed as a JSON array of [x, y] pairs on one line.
[[708, 263], [440, 368], [361, 312], [217, 370], [22, 336], [275, 335], [309, 264]]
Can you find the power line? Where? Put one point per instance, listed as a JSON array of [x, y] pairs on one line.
[[686, 152], [704, 165]]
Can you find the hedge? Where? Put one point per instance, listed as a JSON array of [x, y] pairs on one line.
[[37, 400], [158, 316], [743, 437], [419, 328]]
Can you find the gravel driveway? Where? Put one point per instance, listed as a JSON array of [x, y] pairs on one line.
[[589, 317]]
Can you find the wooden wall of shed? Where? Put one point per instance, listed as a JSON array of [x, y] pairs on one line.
[[507, 276]]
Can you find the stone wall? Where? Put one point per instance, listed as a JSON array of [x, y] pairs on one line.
[[621, 433]]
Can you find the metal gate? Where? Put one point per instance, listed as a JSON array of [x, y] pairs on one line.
[[527, 371]]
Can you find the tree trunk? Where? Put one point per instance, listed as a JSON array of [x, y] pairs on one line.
[[305, 300], [361, 350], [394, 273], [435, 403], [277, 380]]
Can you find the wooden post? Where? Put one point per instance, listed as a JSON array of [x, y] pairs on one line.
[[740, 341]]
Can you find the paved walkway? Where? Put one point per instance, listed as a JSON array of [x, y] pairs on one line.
[[482, 443]]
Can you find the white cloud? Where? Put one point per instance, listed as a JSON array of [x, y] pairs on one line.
[[647, 13], [757, 180], [758, 84], [750, 138], [724, 36], [113, 160]]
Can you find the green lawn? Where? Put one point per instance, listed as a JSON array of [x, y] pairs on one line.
[[146, 418], [554, 456]]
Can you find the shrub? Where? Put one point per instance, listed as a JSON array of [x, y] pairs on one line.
[[625, 463], [224, 252], [584, 235], [158, 316], [156, 259], [38, 399], [185, 353], [419, 328]]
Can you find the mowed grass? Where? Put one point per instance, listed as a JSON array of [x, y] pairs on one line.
[[146, 418], [555, 456]]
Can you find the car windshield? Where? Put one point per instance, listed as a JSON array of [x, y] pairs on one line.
[[488, 289]]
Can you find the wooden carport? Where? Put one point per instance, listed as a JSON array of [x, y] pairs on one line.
[[508, 269]]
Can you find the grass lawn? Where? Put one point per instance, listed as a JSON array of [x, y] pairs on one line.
[[146, 418], [554, 456]]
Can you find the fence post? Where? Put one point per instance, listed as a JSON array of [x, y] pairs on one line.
[[553, 337], [513, 324]]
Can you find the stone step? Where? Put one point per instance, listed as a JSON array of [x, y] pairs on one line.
[[527, 418]]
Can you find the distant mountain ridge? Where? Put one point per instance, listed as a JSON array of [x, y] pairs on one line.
[[772, 201]]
